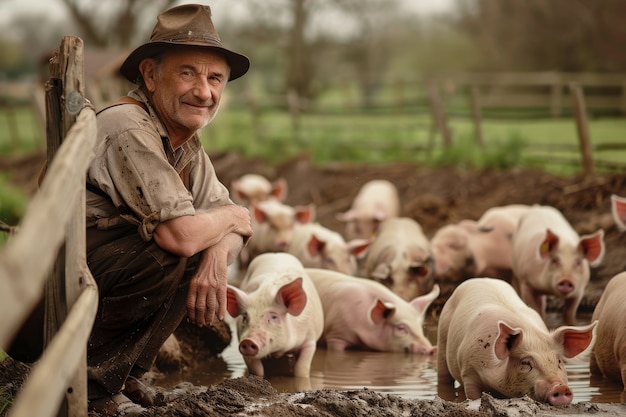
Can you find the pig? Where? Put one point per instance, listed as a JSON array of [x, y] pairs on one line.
[[477, 248], [618, 211], [277, 311], [608, 357], [376, 201], [549, 257], [400, 257], [273, 223], [253, 188], [489, 340], [317, 246], [363, 314]]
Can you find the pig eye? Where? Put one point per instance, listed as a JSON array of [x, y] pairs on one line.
[[244, 318], [273, 317], [401, 330], [526, 364]]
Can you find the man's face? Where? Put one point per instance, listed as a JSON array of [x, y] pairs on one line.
[[186, 88]]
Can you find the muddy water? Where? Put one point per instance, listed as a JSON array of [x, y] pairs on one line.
[[407, 375]]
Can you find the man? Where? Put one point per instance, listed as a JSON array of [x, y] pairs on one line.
[[161, 227]]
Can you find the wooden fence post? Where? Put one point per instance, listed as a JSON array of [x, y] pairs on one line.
[[65, 92], [439, 114], [477, 116], [580, 114]]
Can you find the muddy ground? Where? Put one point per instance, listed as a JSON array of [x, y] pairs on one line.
[[434, 197]]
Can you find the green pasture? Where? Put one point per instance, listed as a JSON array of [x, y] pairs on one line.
[[365, 137]]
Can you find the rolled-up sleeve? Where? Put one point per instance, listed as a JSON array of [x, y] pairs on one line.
[[131, 166]]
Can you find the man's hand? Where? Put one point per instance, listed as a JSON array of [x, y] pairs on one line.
[[207, 288]]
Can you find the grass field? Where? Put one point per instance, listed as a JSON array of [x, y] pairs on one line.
[[372, 137]]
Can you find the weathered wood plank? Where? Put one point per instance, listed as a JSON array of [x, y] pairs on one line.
[[28, 256]]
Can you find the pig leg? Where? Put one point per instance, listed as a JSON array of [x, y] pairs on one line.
[[535, 300], [443, 373], [255, 366], [337, 345], [570, 308], [471, 385], [445, 381], [302, 367]]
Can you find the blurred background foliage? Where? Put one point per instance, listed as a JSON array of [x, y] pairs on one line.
[[305, 46]]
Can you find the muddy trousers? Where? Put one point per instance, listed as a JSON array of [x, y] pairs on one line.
[[142, 295]]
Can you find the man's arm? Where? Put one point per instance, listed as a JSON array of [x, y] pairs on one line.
[[187, 235]]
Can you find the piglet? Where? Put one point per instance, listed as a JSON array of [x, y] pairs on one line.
[[278, 311], [489, 340], [363, 314], [477, 248], [317, 246], [608, 357], [376, 201], [273, 224], [550, 258], [400, 257], [252, 188]]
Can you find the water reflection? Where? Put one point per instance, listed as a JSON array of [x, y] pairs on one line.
[[409, 376]]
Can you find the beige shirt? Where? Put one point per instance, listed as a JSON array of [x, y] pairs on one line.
[[137, 167]]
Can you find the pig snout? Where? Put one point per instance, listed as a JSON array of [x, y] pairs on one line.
[[248, 347], [559, 394], [421, 349], [281, 246], [565, 286]]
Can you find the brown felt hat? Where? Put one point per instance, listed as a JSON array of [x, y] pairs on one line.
[[186, 25]]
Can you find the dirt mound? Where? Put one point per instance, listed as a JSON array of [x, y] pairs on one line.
[[434, 197]]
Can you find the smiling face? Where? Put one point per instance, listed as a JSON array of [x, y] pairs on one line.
[[185, 87]]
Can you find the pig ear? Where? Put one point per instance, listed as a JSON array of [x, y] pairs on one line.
[[381, 311], [592, 247], [549, 244], [382, 272], [618, 210], [305, 214], [508, 338], [422, 302], [357, 247], [469, 225], [259, 215], [346, 216], [279, 189], [315, 246], [233, 297], [292, 296], [575, 339]]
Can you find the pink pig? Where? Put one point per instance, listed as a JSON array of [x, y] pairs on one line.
[[609, 353], [618, 211], [400, 257], [550, 258], [278, 311], [489, 340], [273, 223], [317, 246], [252, 188], [363, 314], [376, 201], [477, 248]]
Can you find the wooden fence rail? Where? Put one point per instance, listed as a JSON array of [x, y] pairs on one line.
[[55, 219]]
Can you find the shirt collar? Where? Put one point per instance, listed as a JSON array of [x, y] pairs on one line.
[[178, 157]]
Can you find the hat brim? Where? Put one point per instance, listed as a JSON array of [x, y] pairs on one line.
[[239, 64]]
